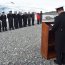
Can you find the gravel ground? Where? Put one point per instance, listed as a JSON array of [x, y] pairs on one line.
[[22, 47]]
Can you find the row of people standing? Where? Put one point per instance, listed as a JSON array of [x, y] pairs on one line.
[[20, 20], [15, 20]]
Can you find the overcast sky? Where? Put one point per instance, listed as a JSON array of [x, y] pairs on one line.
[[45, 5]]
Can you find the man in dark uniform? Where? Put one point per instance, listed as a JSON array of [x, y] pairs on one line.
[[59, 29], [0, 22], [24, 19], [10, 20], [33, 18], [29, 19], [40, 16], [15, 20], [4, 23], [20, 20], [0, 25]]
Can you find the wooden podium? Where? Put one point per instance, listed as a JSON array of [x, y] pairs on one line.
[[47, 41]]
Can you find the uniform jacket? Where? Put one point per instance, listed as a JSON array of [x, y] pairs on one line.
[[3, 19], [59, 29]]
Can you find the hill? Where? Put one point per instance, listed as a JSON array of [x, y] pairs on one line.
[[50, 13]]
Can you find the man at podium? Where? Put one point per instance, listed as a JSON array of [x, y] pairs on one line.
[[59, 30]]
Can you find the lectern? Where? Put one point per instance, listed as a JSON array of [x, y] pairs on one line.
[[47, 41]]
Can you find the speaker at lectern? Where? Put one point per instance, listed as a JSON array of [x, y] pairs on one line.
[[47, 40]]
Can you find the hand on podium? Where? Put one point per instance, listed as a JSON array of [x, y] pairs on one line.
[[50, 27]]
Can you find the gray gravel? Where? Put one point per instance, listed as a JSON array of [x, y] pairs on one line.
[[22, 47]]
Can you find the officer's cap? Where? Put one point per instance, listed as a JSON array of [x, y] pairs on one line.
[[59, 8], [10, 11]]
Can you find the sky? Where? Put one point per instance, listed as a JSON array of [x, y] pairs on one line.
[[34, 5]]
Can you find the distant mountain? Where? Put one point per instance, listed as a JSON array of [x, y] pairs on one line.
[[4, 8], [7, 8], [50, 13]]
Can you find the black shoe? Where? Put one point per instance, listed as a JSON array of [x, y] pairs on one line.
[[12, 28], [55, 61], [5, 29]]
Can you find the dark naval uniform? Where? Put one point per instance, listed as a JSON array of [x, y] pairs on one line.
[[16, 21], [0, 23], [29, 19], [32, 17], [10, 20], [20, 20], [24, 20], [59, 29], [41, 17], [4, 23]]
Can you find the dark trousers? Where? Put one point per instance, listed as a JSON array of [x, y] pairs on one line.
[[20, 24], [29, 22], [63, 57], [0, 27], [4, 26], [60, 57], [16, 24], [24, 23], [32, 21], [11, 25], [40, 20]]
